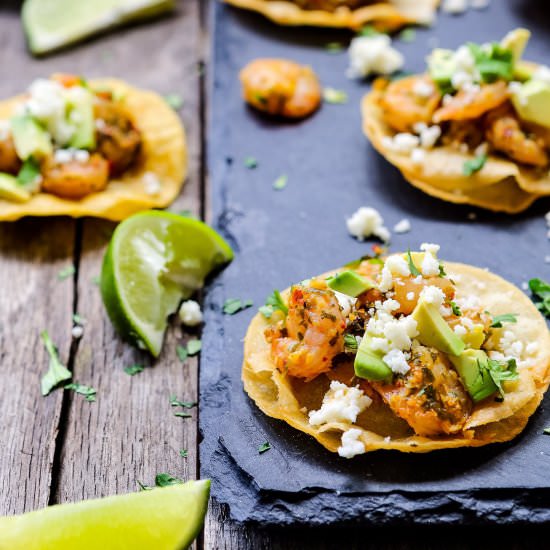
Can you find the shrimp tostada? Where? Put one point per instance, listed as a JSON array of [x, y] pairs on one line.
[[354, 14], [474, 129], [401, 352], [100, 148]]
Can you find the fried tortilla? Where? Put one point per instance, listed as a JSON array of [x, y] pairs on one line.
[[163, 153], [491, 420]]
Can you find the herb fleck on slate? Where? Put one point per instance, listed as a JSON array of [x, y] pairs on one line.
[[234, 305], [335, 97], [250, 163], [280, 182], [264, 447]]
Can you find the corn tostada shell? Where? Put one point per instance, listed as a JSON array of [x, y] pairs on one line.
[[384, 15], [500, 185], [284, 398], [164, 153]]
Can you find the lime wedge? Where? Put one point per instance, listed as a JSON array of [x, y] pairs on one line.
[[11, 189], [156, 259], [168, 518], [52, 24]]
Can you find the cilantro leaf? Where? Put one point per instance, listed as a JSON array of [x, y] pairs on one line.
[[78, 319], [88, 392], [174, 100], [492, 61], [264, 447], [442, 272], [66, 272], [474, 165], [412, 267], [456, 309], [181, 352], [175, 402], [280, 182], [181, 414], [504, 318], [273, 303], [350, 342], [501, 371], [541, 289], [134, 369], [234, 305], [184, 453], [407, 35], [165, 480], [29, 175], [57, 372], [193, 347], [335, 97], [250, 163], [334, 47]]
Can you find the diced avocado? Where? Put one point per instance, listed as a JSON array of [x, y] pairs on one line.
[[30, 139], [516, 41], [369, 364], [350, 283], [441, 66], [11, 190], [476, 380], [434, 331], [81, 114], [475, 337], [531, 101]]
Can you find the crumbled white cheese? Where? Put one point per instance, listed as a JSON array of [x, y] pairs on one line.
[[373, 55], [398, 266], [402, 143], [346, 302], [429, 136], [542, 74], [524, 285], [460, 330], [410, 296], [397, 361], [398, 333], [366, 222], [403, 226], [422, 88], [391, 305], [63, 156], [419, 127], [418, 156], [190, 313], [454, 6], [151, 183], [432, 295], [340, 404], [81, 155], [351, 444], [532, 348], [77, 332]]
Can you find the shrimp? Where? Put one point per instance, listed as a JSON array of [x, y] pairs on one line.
[[281, 87], [312, 336], [9, 161], [118, 140], [504, 133], [75, 179], [430, 397], [404, 106], [473, 102]]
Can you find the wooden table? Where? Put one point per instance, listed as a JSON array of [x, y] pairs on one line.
[[62, 448]]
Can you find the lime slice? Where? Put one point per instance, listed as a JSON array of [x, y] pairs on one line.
[[168, 518], [52, 24], [156, 259], [11, 189]]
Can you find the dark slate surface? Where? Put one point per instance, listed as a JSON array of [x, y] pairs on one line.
[[284, 236]]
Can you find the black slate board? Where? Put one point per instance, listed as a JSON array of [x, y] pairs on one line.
[[285, 236]]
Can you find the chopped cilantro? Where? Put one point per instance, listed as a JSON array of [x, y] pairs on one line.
[[175, 402], [134, 369], [442, 270], [546, 431], [234, 305], [492, 61], [456, 309], [181, 352], [280, 182], [334, 47], [193, 347], [474, 165], [504, 318], [412, 267], [541, 289], [182, 414], [350, 342], [501, 371], [273, 303], [88, 392], [57, 372], [66, 272], [29, 174], [164, 480], [184, 453], [78, 319], [264, 447], [250, 163], [407, 35], [336, 97], [174, 100]]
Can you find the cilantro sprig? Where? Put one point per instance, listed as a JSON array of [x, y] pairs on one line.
[[456, 309], [88, 392], [350, 342], [57, 372], [541, 290], [234, 305], [498, 320], [273, 303], [474, 165], [264, 447], [414, 270]]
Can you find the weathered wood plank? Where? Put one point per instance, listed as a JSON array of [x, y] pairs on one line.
[[130, 433], [32, 299]]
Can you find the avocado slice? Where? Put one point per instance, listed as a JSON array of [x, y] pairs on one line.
[[434, 331], [30, 139], [11, 190], [350, 283], [81, 114], [469, 365], [441, 67], [516, 41], [531, 102], [369, 364]]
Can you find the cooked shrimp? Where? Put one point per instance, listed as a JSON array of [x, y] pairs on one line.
[[9, 161], [118, 140], [473, 102], [430, 397], [404, 106], [460, 132], [312, 335], [281, 87], [504, 133], [75, 179]]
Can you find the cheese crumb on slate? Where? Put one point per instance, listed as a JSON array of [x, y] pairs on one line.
[[403, 226], [367, 222]]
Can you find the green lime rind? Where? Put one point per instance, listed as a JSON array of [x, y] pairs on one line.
[[154, 260], [54, 24], [168, 518]]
